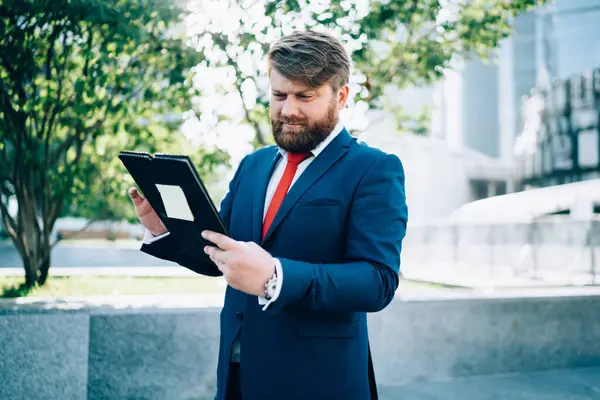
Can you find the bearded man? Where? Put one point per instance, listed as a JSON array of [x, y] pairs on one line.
[[317, 223]]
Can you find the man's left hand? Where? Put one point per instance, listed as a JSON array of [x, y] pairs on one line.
[[245, 265]]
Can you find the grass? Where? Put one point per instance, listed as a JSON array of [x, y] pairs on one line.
[[59, 286], [62, 286]]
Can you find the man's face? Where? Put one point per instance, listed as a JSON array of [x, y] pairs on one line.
[[302, 117]]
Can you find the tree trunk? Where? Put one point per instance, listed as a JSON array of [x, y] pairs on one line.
[[44, 268], [36, 261], [31, 272], [36, 269]]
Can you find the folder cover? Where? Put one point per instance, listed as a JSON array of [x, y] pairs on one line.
[[174, 189]]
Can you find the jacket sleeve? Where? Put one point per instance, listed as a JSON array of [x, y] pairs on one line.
[[169, 248], [368, 280]]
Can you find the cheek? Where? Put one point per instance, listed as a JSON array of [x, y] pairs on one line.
[[315, 111], [274, 109]]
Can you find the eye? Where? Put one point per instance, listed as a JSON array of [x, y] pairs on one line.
[[279, 95], [304, 96]]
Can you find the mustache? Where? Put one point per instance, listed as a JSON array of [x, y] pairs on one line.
[[292, 120]]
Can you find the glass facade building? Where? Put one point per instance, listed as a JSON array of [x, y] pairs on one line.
[[560, 140], [556, 89]]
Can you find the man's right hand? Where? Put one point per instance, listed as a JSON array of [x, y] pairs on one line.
[[146, 214]]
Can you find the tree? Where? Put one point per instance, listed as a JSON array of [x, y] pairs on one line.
[[392, 42], [79, 81]]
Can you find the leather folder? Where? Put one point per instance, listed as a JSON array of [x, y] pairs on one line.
[[175, 190]]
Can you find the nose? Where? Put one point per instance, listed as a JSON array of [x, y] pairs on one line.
[[290, 108]]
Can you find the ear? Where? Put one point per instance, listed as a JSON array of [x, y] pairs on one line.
[[342, 96]]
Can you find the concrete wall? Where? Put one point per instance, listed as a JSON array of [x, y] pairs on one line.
[[165, 348], [43, 356], [427, 340]]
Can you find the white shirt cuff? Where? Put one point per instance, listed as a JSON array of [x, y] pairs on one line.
[[150, 238], [261, 299]]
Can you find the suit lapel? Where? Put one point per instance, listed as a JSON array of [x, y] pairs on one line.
[[263, 175], [324, 161]]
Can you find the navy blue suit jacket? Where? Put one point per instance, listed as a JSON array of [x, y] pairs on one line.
[[338, 235]]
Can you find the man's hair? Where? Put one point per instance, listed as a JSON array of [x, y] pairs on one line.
[[310, 58]]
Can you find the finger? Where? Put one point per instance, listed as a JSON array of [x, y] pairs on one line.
[[216, 254], [220, 266], [135, 196], [223, 267], [222, 241]]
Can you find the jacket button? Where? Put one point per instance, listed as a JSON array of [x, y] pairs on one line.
[[239, 315]]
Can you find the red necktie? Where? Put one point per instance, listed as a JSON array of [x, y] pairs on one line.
[[282, 188]]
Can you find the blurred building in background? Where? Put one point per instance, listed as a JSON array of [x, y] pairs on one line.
[[556, 94], [560, 141], [505, 189], [483, 141]]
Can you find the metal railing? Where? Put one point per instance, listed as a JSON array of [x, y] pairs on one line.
[[558, 249]]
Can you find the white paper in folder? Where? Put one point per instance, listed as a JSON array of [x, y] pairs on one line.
[[176, 204]]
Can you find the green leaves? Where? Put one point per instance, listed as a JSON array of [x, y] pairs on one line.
[[80, 81], [420, 37]]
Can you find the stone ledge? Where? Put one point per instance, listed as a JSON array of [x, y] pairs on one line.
[[109, 304], [162, 303], [167, 345]]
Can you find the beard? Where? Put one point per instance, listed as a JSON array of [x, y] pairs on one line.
[[306, 136]]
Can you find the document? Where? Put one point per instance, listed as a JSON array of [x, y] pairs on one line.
[[176, 205]]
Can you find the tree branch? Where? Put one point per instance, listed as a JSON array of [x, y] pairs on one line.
[[6, 103], [53, 110], [73, 234], [17, 240], [259, 134], [16, 180], [48, 136], [398, 66], [238, 77], [9, 221], [48, 71], [34, 209], [54, 211], [4, 164], [63, 147]]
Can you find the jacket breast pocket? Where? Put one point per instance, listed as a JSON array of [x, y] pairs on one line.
[[332, 329], [324, 212], [320, 203]]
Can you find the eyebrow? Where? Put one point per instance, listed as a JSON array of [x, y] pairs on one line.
[[300, 92]]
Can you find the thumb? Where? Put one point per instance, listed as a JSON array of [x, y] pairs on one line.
[[136, 197]]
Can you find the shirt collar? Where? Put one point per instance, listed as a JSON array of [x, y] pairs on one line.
[[317, 150]]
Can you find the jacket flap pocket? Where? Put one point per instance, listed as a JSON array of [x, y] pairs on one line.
[[328, 329]]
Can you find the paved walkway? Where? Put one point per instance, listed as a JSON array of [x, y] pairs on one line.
[[574, 384], [89, 254]]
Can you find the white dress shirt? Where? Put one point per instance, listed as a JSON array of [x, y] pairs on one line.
[[273, 182]]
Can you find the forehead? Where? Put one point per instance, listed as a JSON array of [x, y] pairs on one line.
[[282, 84]]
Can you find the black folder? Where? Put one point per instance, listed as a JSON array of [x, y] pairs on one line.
[[165, 178]]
